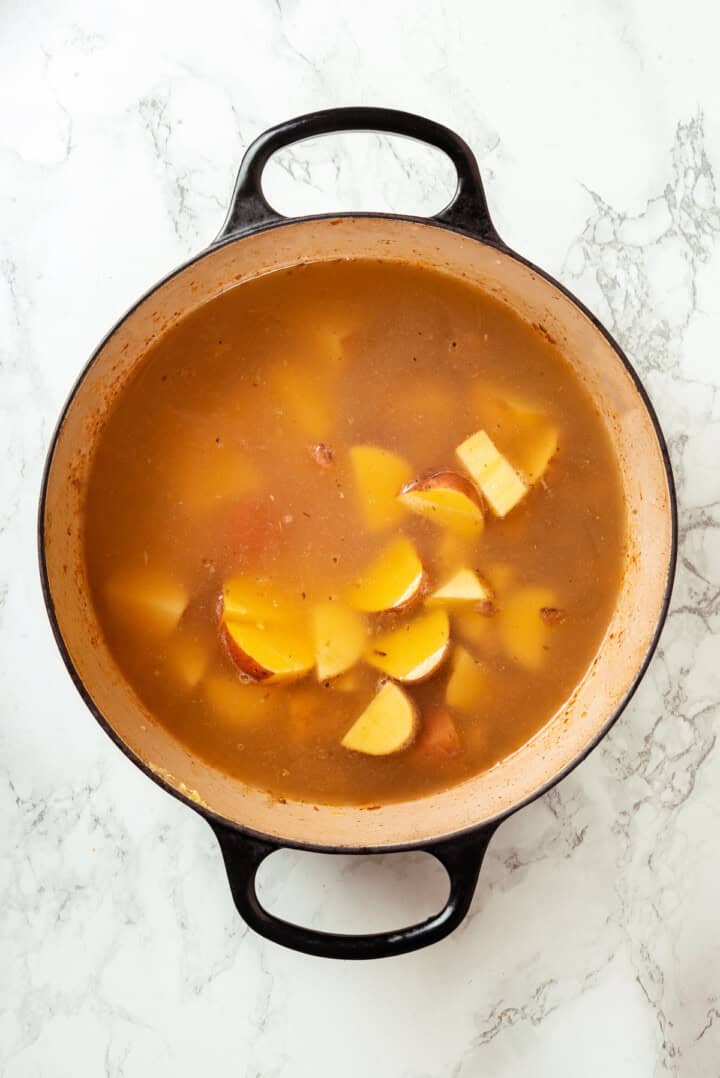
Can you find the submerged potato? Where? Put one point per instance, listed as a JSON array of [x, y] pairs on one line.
[[387, 724], [414, 651], [448, 500], [149, 600], [391, 582], [379, 477]]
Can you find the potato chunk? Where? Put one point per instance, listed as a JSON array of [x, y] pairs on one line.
[[148, 600], [237, 702], [464, 586], [493, 473], [438, 740], [270, 652], [387, 724], [305, 400], [414, 651], [392, 582], [186, 659], [527, 437], [379, 477], [339, 635], [257, 599], [467, 682], [523, 630], [448, 499]]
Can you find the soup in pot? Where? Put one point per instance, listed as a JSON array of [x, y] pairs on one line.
[[354, 531]]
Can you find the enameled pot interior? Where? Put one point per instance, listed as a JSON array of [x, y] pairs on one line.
[[639, 604]]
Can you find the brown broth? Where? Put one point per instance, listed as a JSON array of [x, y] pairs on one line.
[[202, 471]]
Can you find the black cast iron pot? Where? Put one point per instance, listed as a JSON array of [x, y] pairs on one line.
[[455, 825]]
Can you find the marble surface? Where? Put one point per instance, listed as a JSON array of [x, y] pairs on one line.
[[592, 947]]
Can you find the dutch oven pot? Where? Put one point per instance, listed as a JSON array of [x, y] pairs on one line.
[[457, 824]]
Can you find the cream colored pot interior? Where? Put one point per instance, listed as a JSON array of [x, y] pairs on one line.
[[639, 603]]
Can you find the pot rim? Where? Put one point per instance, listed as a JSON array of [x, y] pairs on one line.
[[490, 823]]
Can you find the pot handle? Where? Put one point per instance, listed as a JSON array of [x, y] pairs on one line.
[[467, 210], [461, 858]]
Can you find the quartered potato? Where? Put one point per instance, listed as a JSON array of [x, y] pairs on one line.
[[392, 582], [187, 657], [339, 636], [464, 586], [148, 600], [527, 437], [379, 477], [387, 724], [213, 476], [307, 403], [237, 702], [413, 651], [467, 682], [270, 652], [521, 625], [448, 500], [502, 486]]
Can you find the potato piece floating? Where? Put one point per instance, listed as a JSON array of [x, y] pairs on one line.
[[452, 550], [340, 635], [379, 477], [522, 629], [214, 475], [257, 600], [438, 740], [467, 682], [387, 724], [476, 628], [448, 499], [305, 400], [493, 473], [186, 659], [392, 582], [270, 653], [414, 651], [527, 437], [232, 700], [148, 600], [465, 586]]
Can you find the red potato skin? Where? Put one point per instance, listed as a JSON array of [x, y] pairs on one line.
[[438, 740], [446, 479], [245, 663]]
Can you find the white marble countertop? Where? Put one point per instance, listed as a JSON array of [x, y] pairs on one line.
[[592, 947]]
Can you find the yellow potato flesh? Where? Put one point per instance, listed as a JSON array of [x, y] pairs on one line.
[[270, 653], [304, 399], [232, 700], [527, 438], [257, 600], [391, 582], [414, 651], [339, 634], [210, 478], [465, 586], [477, 629], [466, 684], [523, 632], [187, 659], [379, 477], [500, 483], [447, 508], [152, 602], [386, 725]]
